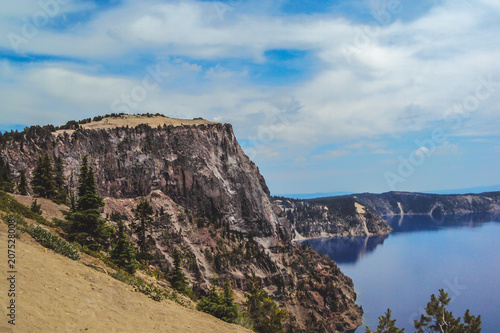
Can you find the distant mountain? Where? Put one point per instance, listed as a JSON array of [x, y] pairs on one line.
[[408, 203], [469, 190], [304, 196], [396, 203]]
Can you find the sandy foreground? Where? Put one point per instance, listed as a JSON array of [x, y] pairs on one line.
[[57, 294]]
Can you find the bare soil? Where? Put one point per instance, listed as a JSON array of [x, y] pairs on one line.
[[135, 120], [57, 294]]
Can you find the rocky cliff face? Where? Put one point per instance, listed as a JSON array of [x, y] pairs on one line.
[[331, 217], [216, 206], [405, 203]]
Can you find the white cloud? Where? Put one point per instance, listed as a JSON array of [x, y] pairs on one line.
[[402, 80], [448, 148], [422, 151], [332, 154]]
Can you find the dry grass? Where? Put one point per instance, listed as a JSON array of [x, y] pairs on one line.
[[56, 294], [135, 120]]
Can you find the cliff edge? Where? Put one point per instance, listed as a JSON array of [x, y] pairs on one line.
[[218, 209]]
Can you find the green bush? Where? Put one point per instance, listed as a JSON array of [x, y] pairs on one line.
[[44, 237], [156, 293], [10, 205], [219, 305], [53, 242]]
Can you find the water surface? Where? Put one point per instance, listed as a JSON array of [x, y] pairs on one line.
[[460, 254]]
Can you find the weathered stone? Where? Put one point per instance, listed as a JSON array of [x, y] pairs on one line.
[[200, 174]]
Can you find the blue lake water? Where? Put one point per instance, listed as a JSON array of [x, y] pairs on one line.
[[460, 254]]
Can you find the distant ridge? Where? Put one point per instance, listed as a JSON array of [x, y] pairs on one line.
[[312, 195], [468, 190]]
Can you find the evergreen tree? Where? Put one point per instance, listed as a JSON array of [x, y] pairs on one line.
[[386, 325], [35, 208], [143, 216], [23, 184], [438, 319], [88, 198], [86, 226], [230, 312], [5, 176], [43, 182], [123, 253], [61, 195], [263, 312], [72, 192], [220, 306], [176, 277]]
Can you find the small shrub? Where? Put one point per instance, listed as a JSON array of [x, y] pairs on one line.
[[156, 293], [35, 207], [53, 242], [10, 205]]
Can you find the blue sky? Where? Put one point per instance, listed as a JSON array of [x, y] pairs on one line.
[[325, 96]]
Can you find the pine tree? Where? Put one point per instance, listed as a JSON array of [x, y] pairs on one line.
[[5, 176], [61, 195], [123, 253], [386, 325], [35, 207], [230, 312], [176, 277], [263, 312], [86, 226], [72, 192], [43, 182], [88, 198], [23, 184], [438, 319], [220, 306], [143, 216]]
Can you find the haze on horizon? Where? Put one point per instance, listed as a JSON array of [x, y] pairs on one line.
[[355, 96]]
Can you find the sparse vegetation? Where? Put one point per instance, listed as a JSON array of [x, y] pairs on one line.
[[23, 184], [143, 217], [10, 205], [35, 207], [46, 238], [86, 225], [220, 305], [123, 253], [5, 176], [177, 278], [51, 241], [436, 319], [264, 315], [61, 195], [43, 182], [156, 293]]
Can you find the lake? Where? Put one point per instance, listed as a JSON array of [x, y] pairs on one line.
[[460, 254]]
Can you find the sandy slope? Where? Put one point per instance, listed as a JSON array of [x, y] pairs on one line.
[[134, 120], [57, 294]]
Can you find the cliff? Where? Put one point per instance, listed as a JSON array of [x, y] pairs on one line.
[[406, 203], [216, 206], [331, 217]]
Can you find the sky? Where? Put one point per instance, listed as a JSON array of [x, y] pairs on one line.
[[324, 96]]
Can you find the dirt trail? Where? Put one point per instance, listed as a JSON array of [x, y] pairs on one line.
[[56, 294]]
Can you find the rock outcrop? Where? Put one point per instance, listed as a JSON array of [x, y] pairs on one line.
[[331, 217], [215, 206], [406, 203]]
